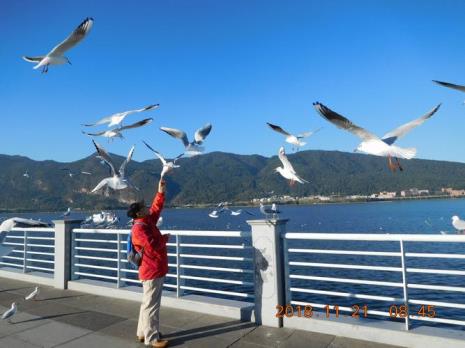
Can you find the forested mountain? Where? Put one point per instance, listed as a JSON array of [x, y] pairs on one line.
[[214, 177]]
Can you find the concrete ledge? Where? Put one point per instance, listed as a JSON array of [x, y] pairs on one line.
[[379, 331], [41, 278], [195, 303]]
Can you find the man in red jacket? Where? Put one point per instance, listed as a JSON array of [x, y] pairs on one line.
[[147, 238]]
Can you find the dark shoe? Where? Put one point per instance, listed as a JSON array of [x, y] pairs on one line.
[[160, 344], [141, 339]]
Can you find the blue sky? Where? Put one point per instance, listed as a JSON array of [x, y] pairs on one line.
[[236, 64]]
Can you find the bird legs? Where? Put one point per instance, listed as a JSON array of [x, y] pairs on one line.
[[291, 182], [393, 166], [45, 69]]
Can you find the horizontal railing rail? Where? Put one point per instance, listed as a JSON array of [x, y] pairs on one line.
[[33, 249], [195, 265], [362, 273]]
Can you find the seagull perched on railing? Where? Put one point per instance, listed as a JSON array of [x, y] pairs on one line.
[[10, 313], [116, 132], [458, 224], [371, 143], [191, 148], [287, 170], [33, 295], [167, 166], [290, 138], [118, 180], [56, 55], [118, 118], [273, 210]]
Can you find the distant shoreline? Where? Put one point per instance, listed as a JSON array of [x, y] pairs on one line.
[[302, 202]]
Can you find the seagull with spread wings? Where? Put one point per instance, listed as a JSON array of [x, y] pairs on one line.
[[287, 170], [167, 166], [373, 145], [118, 118], [117, 132], [117, 180], [56, 55], [451, 85], [8, 224], [191, 148], [290, 138], [71, 173]]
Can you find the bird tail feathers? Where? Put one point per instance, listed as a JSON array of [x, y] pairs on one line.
[[405, 153]]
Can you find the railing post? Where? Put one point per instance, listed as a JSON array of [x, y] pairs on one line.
[[287, 281], [268, 269], [118, 261], [25, 252], [179, 280], [404, 283], [63, 251]]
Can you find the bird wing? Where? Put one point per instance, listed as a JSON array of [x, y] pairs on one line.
[[178, 157], [163, 161], [176, 133], [72, 40], [278, 129], [147, 108], [137, 124], [105, 157], [122, 168], [307, 134], [390, 137], [86, 173], [342, 122], [22, 222], [33, 59], [94, 134], [99, 122], [451, 85], [202, 133], [285, 161], [100, 185]]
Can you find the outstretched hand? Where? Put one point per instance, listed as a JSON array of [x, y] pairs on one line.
[[162, 186]]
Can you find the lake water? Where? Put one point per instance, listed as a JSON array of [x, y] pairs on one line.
[[421, 216]]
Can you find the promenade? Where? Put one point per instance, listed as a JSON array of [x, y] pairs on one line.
[[65, 318]]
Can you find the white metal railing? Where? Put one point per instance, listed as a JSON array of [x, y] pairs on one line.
[[225, 269], [33, 249], [318, 279]]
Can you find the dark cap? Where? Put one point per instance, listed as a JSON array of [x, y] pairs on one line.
[[134, 208]]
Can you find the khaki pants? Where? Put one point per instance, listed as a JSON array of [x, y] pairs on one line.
[[149, 315]]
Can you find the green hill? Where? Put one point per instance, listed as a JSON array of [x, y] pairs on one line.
[[214, 177]]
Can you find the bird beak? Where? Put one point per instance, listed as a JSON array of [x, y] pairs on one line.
[[69, 62]]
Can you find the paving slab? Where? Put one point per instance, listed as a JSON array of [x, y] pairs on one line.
[[343, 342], [12, 342], [51, 334]]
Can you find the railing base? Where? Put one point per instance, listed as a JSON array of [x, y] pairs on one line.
[[40, 278], [201, 304]]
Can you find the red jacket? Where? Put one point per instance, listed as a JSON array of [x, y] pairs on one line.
[[146, 234]]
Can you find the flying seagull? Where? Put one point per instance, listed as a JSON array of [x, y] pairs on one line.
[[167, 166], [9, 313], [118, 118], [191, 148], [220, 208], [290, 138], [26, 174], [240, 211], [67, 212], [371, 143], [7, 225], [458, 224], [287, 170], [116, 132], [117, 181], [32, 295], [71, 173], [451, 85], [56, 55]]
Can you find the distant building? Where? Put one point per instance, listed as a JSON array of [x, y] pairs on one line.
[[454, 193], [387, 195]]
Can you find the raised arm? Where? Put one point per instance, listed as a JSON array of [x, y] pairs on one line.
[[158, 201]]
